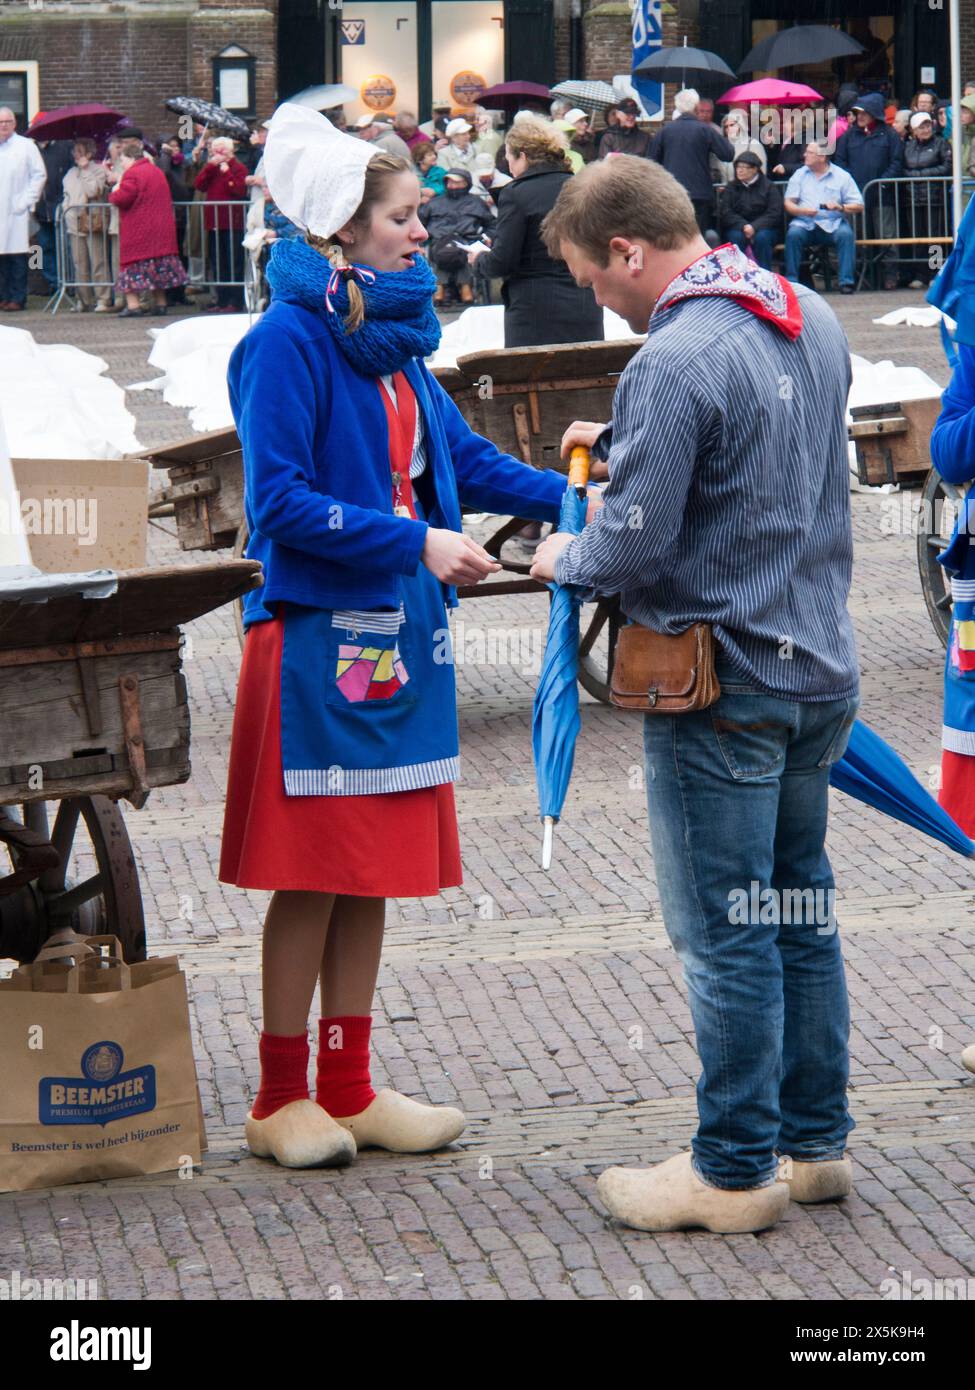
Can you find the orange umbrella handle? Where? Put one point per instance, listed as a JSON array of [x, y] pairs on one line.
[[579, 468]]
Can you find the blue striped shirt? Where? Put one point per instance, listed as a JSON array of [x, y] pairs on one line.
[[729, 493]]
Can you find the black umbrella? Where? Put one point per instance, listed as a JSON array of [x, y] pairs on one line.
[[209, 114], [806, 43], [664, 65]]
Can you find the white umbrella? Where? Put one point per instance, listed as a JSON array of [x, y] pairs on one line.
[[325, 97], [591, 96]]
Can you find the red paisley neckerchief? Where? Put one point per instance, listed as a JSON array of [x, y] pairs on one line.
[[728, 273]]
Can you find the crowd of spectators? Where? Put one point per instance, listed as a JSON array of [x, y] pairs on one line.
[[150, 222]]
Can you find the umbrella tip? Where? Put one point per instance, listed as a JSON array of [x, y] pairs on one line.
[[549, 826]]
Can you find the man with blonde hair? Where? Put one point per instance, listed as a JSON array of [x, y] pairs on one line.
[[728, 505]]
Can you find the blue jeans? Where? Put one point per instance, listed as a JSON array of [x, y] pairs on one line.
[[13, 278], [737, 803], [797, 238], [45, 239], [763, 244]]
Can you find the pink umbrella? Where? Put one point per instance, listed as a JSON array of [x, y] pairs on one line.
[[770, 90]]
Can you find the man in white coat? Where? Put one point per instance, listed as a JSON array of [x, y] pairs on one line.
[[22, 178]]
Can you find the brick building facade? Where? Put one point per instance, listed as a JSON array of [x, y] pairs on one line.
[[134, 53]]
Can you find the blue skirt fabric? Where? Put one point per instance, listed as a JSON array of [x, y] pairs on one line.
[[368, 702]]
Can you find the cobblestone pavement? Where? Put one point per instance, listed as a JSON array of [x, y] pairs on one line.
[[521, 995]]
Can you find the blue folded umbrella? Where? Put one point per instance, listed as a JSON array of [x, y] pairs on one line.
[[872, 772], [555, 721]]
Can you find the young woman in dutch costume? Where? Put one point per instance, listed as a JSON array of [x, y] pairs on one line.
[[344, 747]]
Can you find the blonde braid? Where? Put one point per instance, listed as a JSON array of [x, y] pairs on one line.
[[334, 252]]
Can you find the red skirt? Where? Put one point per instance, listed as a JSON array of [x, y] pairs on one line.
[[957, 794], [394, 845]]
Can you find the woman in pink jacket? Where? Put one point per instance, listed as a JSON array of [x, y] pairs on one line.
[[147, 232]]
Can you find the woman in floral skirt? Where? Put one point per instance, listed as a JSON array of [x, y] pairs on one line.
[[345, 747], [147, 232]]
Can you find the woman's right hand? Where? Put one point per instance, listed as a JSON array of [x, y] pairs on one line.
[[456, 559]]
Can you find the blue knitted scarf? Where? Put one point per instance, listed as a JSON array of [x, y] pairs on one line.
[[400, 321]]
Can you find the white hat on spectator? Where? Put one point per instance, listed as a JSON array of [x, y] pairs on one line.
[[367, 120], [457, 127], [919, 118], [575, 115], [315, 173]]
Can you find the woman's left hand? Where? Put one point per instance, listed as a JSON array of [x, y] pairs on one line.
[[473, 254]]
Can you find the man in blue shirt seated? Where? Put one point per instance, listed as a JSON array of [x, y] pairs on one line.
[[818, 198]]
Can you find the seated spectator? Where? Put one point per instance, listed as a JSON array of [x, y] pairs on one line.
[[457, 215], [623, 136], [967, 136], [734, 128], [459, 152], [871, 150], [567, 129], [818, 197], [87, 228], [927, 159], [751, 210], [488, 179], [223, 179], [405, 126], [147, 231], [925, 100], [487, 138], [583, 141], [845, 98], [788, 154], [277, 227], [435, 129], [429, 172]]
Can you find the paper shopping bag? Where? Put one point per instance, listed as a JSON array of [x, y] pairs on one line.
[[98, 1075]]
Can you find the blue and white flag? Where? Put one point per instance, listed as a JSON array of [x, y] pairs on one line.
[[647, 39]]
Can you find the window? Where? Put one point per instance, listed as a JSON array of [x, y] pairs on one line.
[[233, 80], [19, 90]]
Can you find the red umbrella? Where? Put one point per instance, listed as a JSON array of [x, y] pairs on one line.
[[505, 95], [73, 122]]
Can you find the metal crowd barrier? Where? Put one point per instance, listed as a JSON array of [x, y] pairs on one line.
[[901, 217], [88, 263]]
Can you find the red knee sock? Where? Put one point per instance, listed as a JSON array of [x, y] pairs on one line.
[[343, 1087], [284, 1073]]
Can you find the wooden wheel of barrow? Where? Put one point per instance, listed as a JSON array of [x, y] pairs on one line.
[[599, 625], [81, 875], [940, 504]]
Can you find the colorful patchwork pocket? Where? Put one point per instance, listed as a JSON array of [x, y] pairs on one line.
[[374, 670], [369, 673]]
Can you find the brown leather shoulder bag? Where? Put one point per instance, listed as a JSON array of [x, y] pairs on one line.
[[657, 674]]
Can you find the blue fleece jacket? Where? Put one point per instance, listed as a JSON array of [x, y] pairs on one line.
[[953, 437], [317, 491]]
